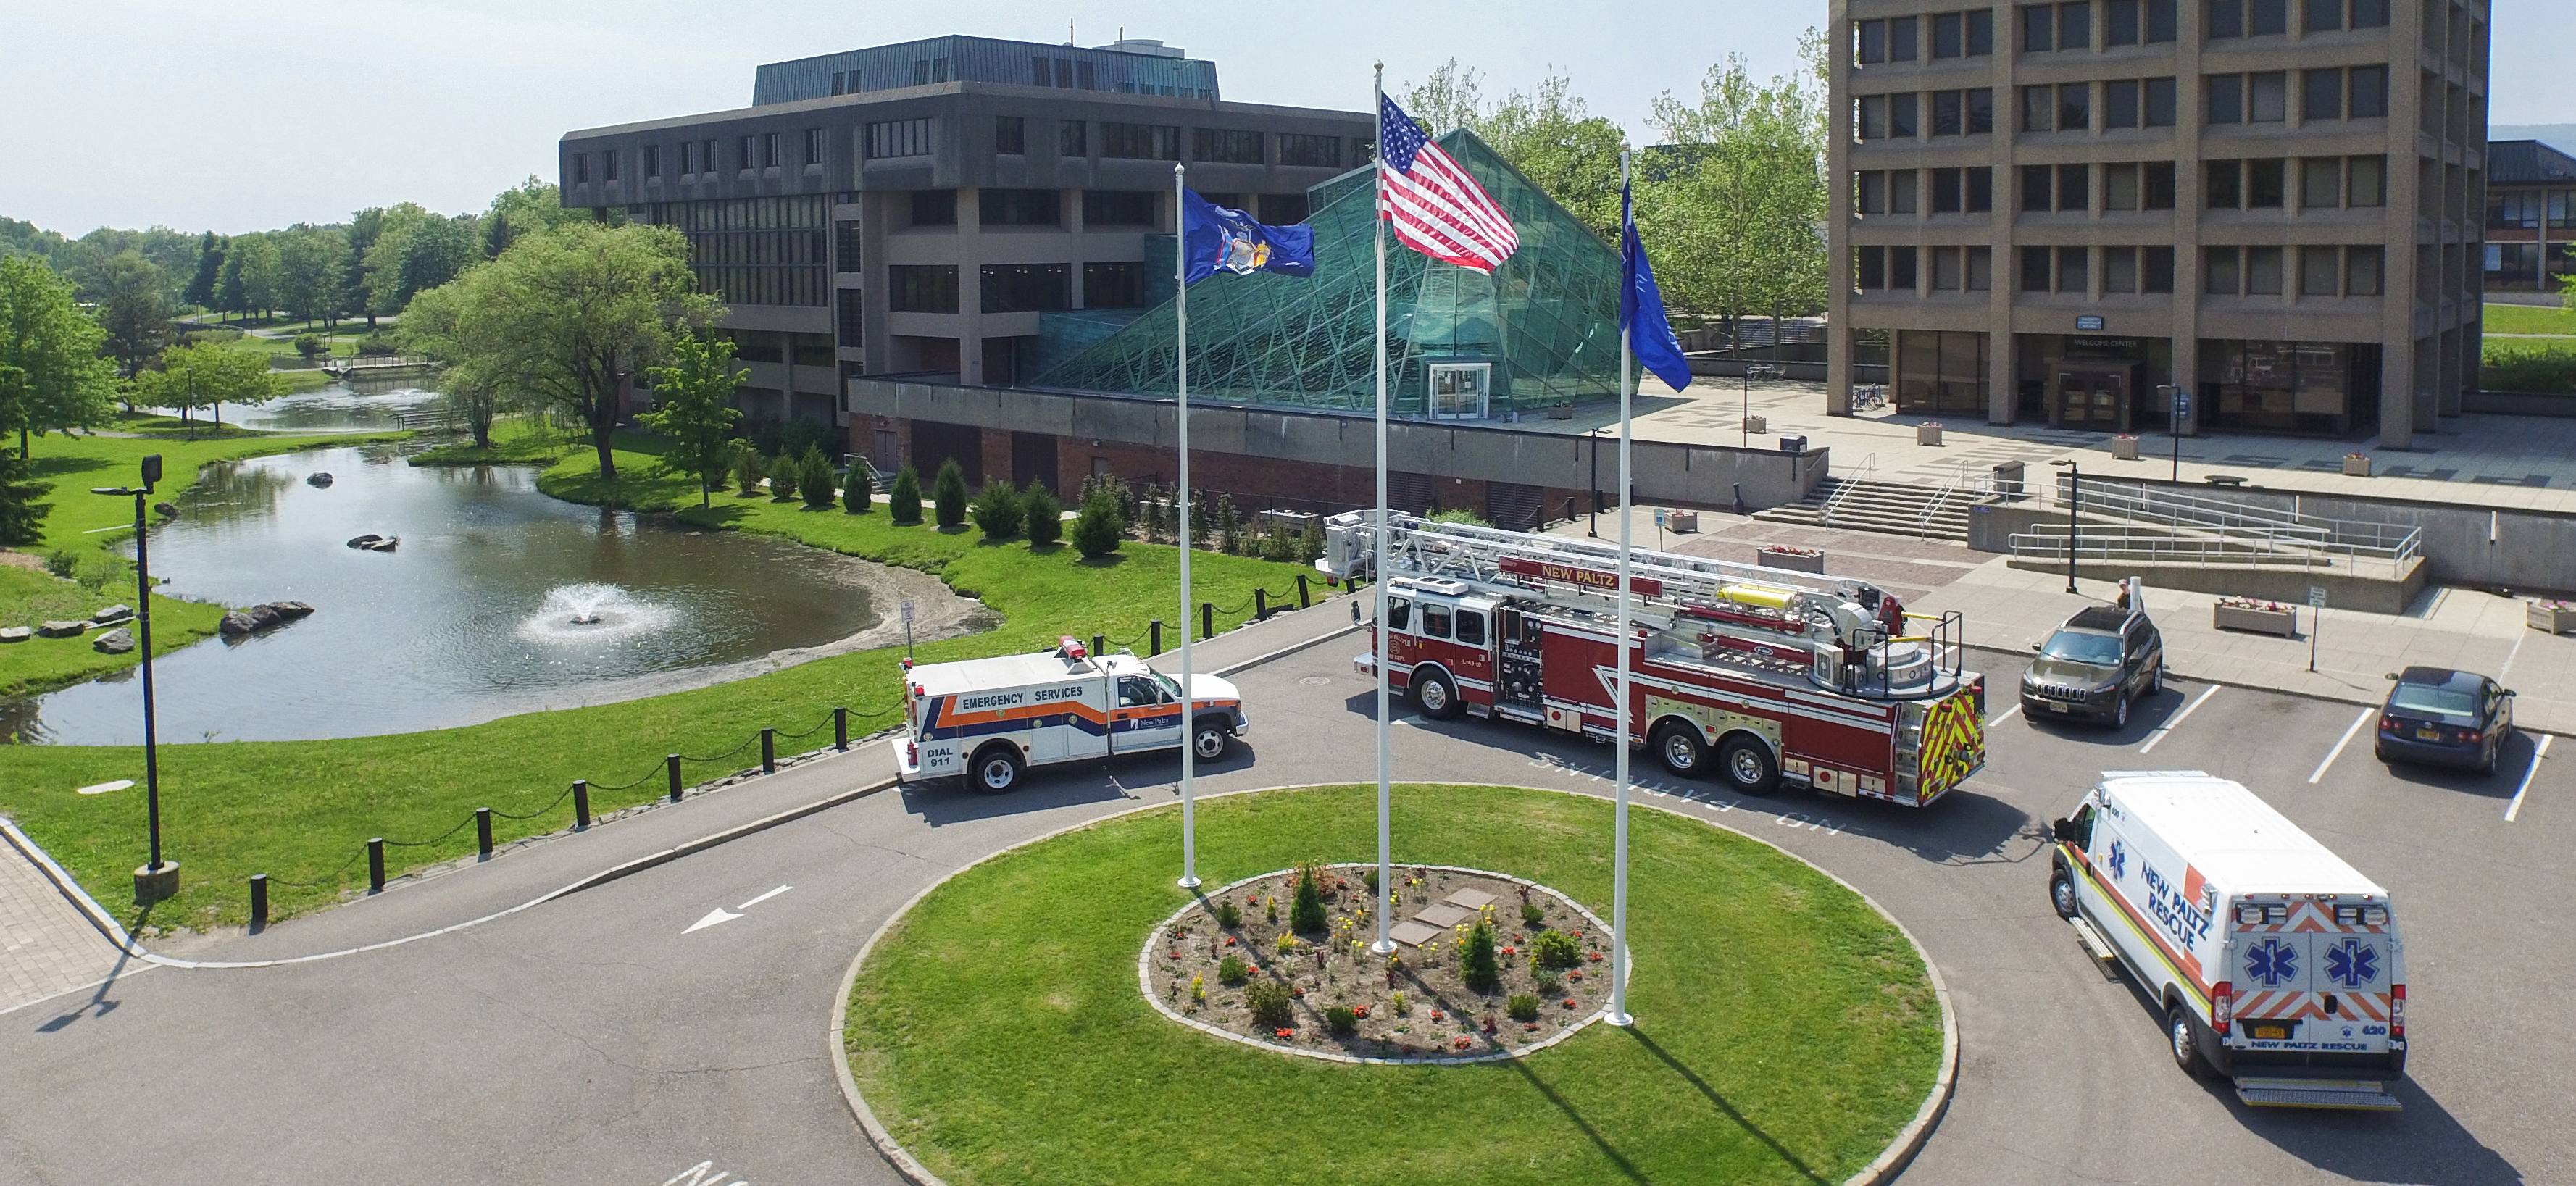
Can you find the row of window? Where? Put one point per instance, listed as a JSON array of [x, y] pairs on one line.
[[2325, 183], [1015, 288], [1942, 191], [1899, 116], [758, 247], [2357, 92], [2140, 185], [2271, 18], [2360, 92], [2320, 271], [1954, 269], [2125, 103], [2049, 27], [899, 138], [1953, 35], [798, 212], [765, 284], [2123, 270], [2323, 271], [2529, 208]]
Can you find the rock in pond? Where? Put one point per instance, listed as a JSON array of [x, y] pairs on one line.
[[114, 642], [237, 622], [317, 480], [263, 616], [165, 510], [371, 542], [61, 629]]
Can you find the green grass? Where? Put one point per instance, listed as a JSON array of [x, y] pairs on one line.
[[2527, 319], [514, 442], [1785, 1031], [303, 810], [42, 664]]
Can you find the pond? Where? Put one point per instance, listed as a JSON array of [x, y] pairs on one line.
[[497, 600]]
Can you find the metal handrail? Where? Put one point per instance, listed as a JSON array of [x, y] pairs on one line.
[[1960, 482], [1867, 469], [2352, 538], [2148, 545]]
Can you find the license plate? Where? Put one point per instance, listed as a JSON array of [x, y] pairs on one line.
[[2054, 706], [2429, 734], [2271, 1033]]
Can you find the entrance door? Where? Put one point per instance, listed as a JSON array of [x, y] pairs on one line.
[[2092, 398], [1458, 390]]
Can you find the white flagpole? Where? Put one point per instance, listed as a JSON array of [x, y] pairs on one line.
[[1181, 356], [1385, 852], [1619, 862]]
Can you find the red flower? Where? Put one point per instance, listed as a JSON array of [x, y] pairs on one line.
[[1462, 1043], [1574, 975], [1229, 941], [1507, 951], [1361, 1012], [1285, 1033], [1297, 992], [1596, 956], [1435, 1015], [1569, 1002]]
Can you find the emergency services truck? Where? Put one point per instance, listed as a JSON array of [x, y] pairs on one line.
[[989, 719], [2274, 962]]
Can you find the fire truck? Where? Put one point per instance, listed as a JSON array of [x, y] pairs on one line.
[[1763, 676]]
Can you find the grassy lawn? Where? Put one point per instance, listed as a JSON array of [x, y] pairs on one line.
[[1785, 1031], [303, 810], [514, 442], [42, 664], [2527, 319]]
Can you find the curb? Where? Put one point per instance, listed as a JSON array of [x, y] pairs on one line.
[[69, 888], [1889, 1163]]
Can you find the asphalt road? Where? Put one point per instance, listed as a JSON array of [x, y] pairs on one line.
[[599, 1039]]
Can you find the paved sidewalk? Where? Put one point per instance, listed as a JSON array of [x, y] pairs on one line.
[[47, 944]]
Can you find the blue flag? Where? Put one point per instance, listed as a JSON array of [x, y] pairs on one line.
[[1214, 238], [1641, 307]]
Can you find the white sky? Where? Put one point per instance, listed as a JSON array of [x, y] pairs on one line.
[[241, 115]]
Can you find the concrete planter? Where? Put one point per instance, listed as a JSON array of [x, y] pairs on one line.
[[2124, 448], [1682, 520], [1757, 424], [1560, 411], [1928, 433], [2283, 621], [2356, 465], [2550, 617], [1792, 559]]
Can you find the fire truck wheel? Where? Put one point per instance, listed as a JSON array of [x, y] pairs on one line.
[[997, 769], [2061, 893], [2180, 1034], [1435, 696], [1210, 740], [1682, 751], [1746, 763]]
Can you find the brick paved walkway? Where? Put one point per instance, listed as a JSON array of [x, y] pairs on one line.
[[47, 944]]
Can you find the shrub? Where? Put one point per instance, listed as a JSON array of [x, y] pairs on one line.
[[948, 495], [1523, 1007], [746, 469], [1556, 949], [1369, 879], [1458, 516], [858, 489], [1549, 983], [905, 498], [1269, 1001], [784, 472], [1342, 1019], [1098, 530], [1402, 1009], [311, 346], [998, 511], [1310, 545], [1229, 526], [62, 563], [814, 479], [1479, 967], [1531, 915], [1232, 969], [1044, 514], [2510, 368], [1229, 915], [1306, 909]]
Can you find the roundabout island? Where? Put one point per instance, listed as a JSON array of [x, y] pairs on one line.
[[1007, 1028]]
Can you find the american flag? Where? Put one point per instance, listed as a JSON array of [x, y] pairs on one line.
[[1433, 205]]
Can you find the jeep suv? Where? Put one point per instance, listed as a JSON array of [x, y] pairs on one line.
[[2094, 665]]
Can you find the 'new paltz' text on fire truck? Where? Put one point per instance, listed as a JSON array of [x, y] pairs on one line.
[[1763, 676]]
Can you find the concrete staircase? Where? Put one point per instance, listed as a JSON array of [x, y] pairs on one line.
[[1870, 504]]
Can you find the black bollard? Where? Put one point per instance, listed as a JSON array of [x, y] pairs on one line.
[[1260, 604], [483, 832], [1099, 645], [376, 865], [258, 901], [1302, 600], [671, 769], [769, 751], [1156, 646], [840, 728], [1207, 619], [580, 803]]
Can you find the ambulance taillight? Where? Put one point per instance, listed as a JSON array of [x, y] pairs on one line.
[[912, 754], [2397, 1011], [2222, 1008]]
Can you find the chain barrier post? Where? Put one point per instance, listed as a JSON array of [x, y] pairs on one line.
[[769, 751], [1099, 645], [1207, 619], [376, 865], [580, 803], [1302, 599], [1260, 604], [841, 728], [671, 768], [258, 902], [1156, 646], [483, 832]]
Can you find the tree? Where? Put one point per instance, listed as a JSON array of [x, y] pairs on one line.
[[251, 273], [693, 405], [814, 478], [496, 237], [365, 227], [22, 518], [437, 251], [311, 262], [1550, 135], [858, 489], [568, 316], [998, 512], [1730, 207], [208, 375], [904, 500], [383, 291], [534, 205], [948, 494], [51, 375], [1098, 530], [210, 266], [1044, 514], [133, 311]]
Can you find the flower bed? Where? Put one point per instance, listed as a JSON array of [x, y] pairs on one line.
[[1236, 964]]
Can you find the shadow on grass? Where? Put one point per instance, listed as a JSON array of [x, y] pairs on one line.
[[1626, 1167], [1112, 560], [1692, 1077]]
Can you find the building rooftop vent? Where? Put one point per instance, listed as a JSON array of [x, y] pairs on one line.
[[1146, 46]]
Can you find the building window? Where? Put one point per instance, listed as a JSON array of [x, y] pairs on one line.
[[1981, 269], [2369, 14], [2267, 97], [1900, 116], [2075, 25], [1901, 276], [2226, 184], [1225, 146], [2362, 271], [2074, 187], [1113, 286], [1027, 288], [2159, 102], [1310, 152], [581, 168], [2266, 184], [2263, 271], [1140, 142], [2158, 184], [852, 323], [2119, 270], [1117, 207], [747, 153], [2320, 271], [2369, 92], [2164, 21], [652, 162], [1884, 41], [2038, 186], [926, 71], [2267, 18], [1962, 269], [2226, 102], [2075, 107], [847, 243], [2155, 269], [2137, 22], [1980, 184], [2120, 187], [921, 288], [2120, 104], [934, 207], [1073, 139], [2072, 273], [894, 138], [1946, 269], [769, 151], [840, 82], [2035, 270], [2038, 108], [1947, 197], [608, 165], [2226, 19], [1019, 207], [1282, 209], [2038, 28], [1010, 135], [1901, 194], [2321, 183], [813, 148], [2218, 270], [1869, 268]]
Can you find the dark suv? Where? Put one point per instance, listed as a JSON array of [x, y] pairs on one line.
[[2100, 660]]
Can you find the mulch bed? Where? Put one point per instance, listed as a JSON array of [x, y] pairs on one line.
[[1414, 1006]]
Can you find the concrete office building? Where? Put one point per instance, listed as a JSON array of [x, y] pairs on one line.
[[2044, 212], [917, 207], [2531, 218]]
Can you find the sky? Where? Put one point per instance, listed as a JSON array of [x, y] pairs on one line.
[[240, 115]]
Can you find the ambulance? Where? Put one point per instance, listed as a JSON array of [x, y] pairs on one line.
[[989, 720], [2274, 963]]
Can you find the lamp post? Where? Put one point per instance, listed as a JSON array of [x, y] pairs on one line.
[[2174, 405], [2074, 499], [1595, 529], [159, 879]]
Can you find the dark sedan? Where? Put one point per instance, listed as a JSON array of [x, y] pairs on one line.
[[2441, 717]]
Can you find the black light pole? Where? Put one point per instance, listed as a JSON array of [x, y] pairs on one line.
[[159, 879], [2074, 500], [1595, 529], [2173, 423]]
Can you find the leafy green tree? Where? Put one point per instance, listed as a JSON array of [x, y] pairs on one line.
[[785, 471], [496, 237], [693, 405], [51, 375], [253, 285], [208, 375], [311, 261], [746, 468], [567, 316], [365, 227], [210, 267], [998, 511], [1550, 135], [1730, 207], [22, 518], [858, 488], [534, 205], [438, 250], [1044, 514], [1099, 529], [948, 495], [814, 478], [134, 312], [382, 292], [904, 500]]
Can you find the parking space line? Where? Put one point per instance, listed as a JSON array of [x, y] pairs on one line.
[[2538, 752], [2005, 715], [2337, 751], [2166, 730]]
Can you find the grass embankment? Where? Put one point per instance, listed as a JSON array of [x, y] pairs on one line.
[[1785, 1031], [514, 442], [86, 526], [303, 810], [2527, 319]]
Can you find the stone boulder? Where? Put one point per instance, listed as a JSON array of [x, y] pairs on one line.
[[288, 611], [62, 629], [114, 613], [371, 542], [165, 510], [15, 634], [238, 622], [114, 642], [317, 480], [263, 616]]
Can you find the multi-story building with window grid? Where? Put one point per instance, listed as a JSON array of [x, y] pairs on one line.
[[2051, 212], [2531, 217], [920, 207]]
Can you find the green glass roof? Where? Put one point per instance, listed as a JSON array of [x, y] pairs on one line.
[[1547, 320]]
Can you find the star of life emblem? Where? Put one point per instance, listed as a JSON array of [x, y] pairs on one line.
[[2352, 963], [2271, 963]]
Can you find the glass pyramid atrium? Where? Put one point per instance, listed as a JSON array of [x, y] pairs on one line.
[[1547, 321]]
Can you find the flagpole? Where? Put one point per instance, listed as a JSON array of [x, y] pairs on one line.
[[1618, 1014], [1385, 944], [1181, 357]]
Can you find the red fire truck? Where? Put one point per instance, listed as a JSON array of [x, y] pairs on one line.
[[1766, 676]]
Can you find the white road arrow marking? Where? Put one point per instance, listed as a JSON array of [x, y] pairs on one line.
[[720, 914]]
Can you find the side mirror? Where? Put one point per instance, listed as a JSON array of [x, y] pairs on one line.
[[2063, 830], [2035, 647], [2509, 692], [2392, 677]]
